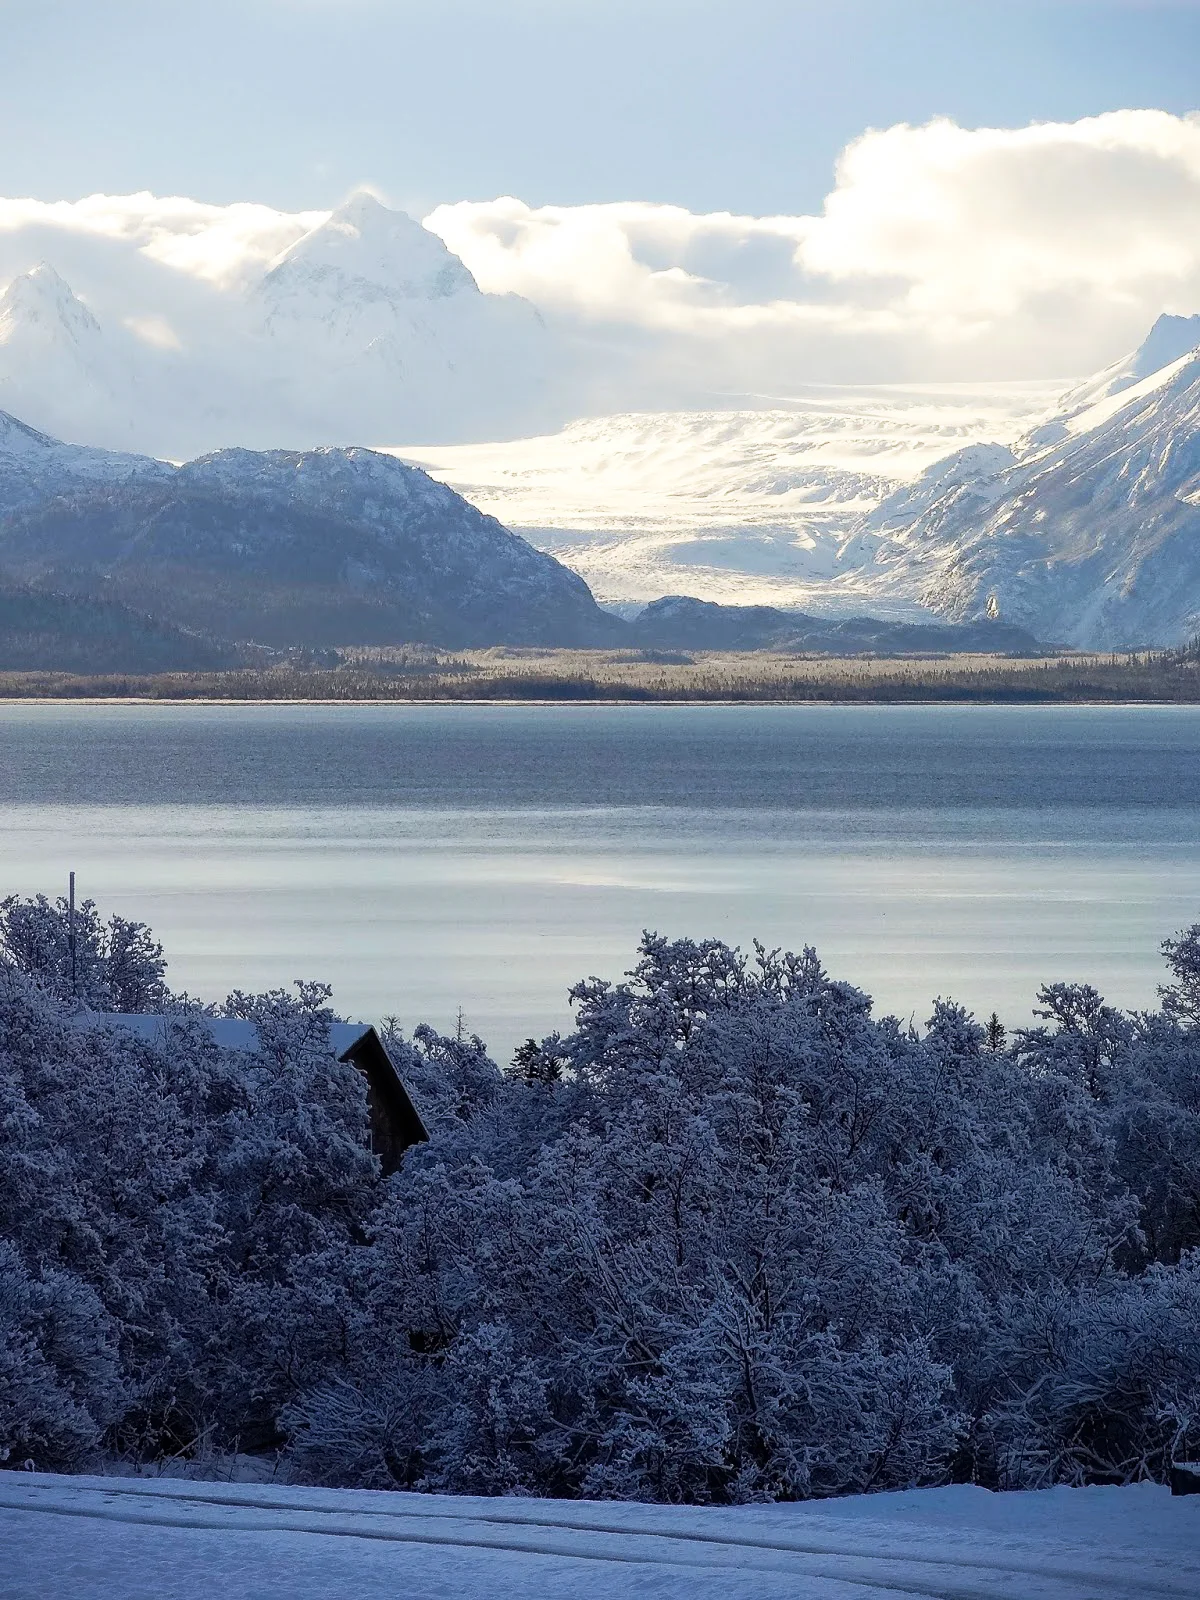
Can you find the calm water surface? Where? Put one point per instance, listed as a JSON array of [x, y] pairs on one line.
[[423, 858]]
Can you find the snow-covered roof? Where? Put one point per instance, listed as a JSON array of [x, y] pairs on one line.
[[395, 1121], [231, 1033]]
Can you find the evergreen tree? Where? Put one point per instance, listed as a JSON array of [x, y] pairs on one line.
[[535, 1064]]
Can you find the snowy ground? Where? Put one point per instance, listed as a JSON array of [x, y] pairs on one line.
[[124, 1539], [745, 506]]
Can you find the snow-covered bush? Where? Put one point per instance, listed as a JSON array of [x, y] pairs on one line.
[[168, 1198], [118, 965], [732, 1238], [747, 1241], [60, 1379]]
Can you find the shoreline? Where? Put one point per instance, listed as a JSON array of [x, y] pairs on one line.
[[629, 702], [528, 676]]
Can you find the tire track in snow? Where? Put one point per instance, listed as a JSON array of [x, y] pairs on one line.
[[823, 1560], [293, 1525], [442, 1509]]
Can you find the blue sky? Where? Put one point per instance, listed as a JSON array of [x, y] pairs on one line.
[[709, 104]]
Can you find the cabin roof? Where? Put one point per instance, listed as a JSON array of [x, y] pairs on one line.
[[230, 1033], [357, 1043]]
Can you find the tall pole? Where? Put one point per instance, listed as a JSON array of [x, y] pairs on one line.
[[71, 939]]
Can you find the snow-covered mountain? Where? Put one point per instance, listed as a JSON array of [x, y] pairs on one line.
[[383, 328], [1072, 514], [365, 327], [1087, 532], [323, 547], [40, 317], [365, 255], [57, 365], [1169, 338], [1075, 516], [35, 466]]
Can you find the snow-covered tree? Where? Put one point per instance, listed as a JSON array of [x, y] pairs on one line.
[[118, 965], [1181, 999], [733, 1237]]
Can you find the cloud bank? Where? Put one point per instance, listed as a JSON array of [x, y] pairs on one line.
[[941, 250], [941, 253]]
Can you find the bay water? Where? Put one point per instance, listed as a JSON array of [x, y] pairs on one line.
[[429, 859]]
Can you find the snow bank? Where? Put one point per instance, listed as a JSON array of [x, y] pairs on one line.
[[124, 1539]]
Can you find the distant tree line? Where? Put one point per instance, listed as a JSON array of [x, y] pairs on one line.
[[732, 1238], [420, 673]]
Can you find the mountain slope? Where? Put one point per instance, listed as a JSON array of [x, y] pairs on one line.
[[321, 547], [1092, 540], [1077, 522], [1168, 340], [58, 364], [72, 633], [386, 334], [678, 622], [125, 563], [747, 506], [365, 255], [40, 311], [33, 465]]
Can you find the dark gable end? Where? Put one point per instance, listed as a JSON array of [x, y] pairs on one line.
[[396, 1124]]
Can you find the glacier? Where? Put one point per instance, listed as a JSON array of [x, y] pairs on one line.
[[744, 507], [1074, 514]]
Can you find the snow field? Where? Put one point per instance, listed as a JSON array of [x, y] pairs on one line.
[[127, 1539], [747, 507]]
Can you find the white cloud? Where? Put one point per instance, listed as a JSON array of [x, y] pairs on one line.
[[979, 223], [1006, 251], [155, 331], [221, 245], [940, 253], [628, 262], [167, 270]]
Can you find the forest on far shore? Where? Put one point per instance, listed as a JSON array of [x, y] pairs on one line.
[[733, 1238], [417, 672]]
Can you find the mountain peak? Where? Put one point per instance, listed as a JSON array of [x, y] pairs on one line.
[[1168, 340], [362, 210], [364, 249], [17, 437], [43, 302]]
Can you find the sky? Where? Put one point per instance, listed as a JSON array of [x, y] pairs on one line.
[[710, 197], [737, 105]]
